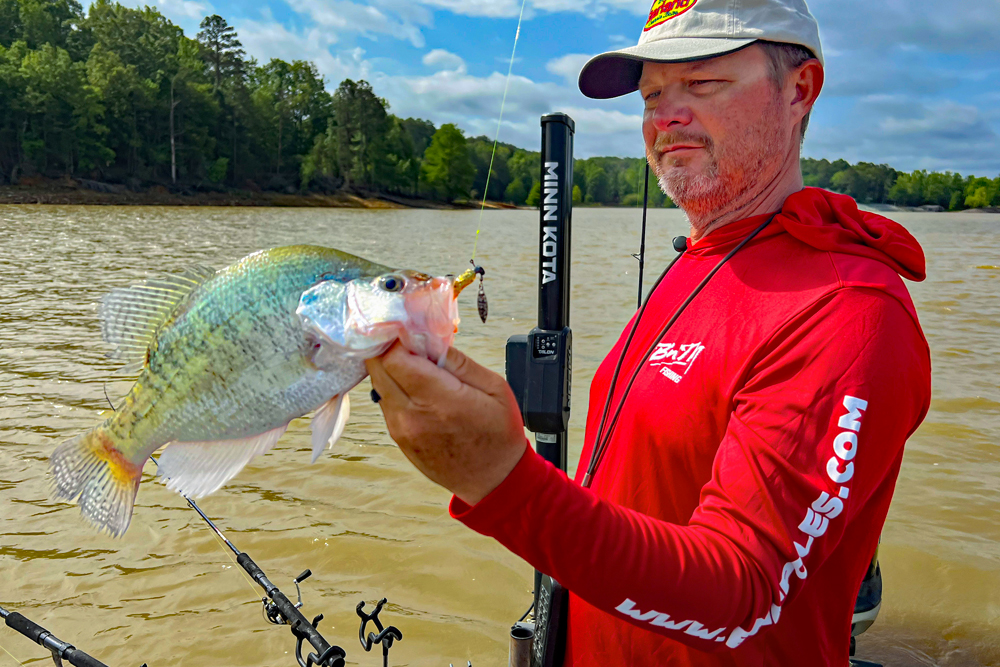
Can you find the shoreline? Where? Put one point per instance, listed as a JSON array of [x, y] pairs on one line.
[[73, 192]]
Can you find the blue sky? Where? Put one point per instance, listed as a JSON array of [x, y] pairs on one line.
[[911, 83]]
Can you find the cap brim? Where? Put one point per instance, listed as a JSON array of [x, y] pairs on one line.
[[617, 73]]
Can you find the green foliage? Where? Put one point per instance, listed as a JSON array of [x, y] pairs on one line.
[[981, 192], [875, 184], [447, 168], [515, 192], [577, 195], [322, 160], [362, 121], [535, 195], [597, 184], [217, 172], [865, 182], [221, 49], [420, 133]]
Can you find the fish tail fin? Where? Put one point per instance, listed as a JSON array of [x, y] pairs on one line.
[[91, 471]]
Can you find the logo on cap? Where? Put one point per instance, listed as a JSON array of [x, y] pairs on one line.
[[664, 10]]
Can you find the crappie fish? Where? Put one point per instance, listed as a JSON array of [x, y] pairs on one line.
[[227, 359]]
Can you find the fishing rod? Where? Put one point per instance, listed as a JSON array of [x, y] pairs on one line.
[[641, 255], [60, 650], [278, 609]]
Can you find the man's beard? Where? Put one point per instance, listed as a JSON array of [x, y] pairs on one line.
[[734, 168]]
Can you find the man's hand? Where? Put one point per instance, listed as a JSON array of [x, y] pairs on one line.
[[459, 425]]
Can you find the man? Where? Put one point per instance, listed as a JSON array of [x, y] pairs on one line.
[[746, 456]]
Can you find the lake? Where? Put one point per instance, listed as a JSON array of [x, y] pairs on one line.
[[365, 522]]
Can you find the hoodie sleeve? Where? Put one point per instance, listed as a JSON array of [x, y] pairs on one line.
[[816, 429]]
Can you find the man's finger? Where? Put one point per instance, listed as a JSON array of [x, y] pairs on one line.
[[472, 374], [418, 376], [384, 384]]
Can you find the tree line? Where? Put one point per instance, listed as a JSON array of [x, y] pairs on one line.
[[121, 95], [881, 184]]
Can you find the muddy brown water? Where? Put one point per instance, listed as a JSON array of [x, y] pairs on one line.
[[361, 518]]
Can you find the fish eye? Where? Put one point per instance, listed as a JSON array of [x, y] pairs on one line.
[[392, 283]]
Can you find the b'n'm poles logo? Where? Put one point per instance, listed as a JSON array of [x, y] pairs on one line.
[[664, 10]]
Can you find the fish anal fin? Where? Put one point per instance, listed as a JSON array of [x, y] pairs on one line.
[[328, 423], [131, 316], [196, 469]]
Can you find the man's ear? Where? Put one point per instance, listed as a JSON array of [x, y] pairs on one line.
[[806, 81]]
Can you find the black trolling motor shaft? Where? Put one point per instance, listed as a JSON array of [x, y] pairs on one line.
[[539, 365], [60, 649]]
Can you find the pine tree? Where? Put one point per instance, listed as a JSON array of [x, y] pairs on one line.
[[222, 51]]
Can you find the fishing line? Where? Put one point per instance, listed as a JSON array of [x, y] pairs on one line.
[[219, 536], [215, 529], [496, 138], [11, 655]]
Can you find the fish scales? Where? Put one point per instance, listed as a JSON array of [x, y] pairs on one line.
[[221, 370]]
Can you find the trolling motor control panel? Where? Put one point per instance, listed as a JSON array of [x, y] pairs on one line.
[[541, 378]]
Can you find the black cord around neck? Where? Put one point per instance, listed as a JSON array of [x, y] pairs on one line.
[[602, 439]]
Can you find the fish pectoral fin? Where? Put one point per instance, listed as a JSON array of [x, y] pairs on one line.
[[196, 469], [131, 316], [328, 423]]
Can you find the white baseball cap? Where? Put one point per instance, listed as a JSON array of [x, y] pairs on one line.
[[685, 30]]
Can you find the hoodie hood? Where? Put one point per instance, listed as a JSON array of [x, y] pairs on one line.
[[832, 222]]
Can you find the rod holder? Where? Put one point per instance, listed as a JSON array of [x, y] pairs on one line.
[[522, 636]]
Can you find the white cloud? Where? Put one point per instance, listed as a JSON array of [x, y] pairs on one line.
[[908, 134], [958, 26], [473, 103], [273, 40], [444, 60], [568, 66], [406, 20], [399, 20], [511, 8], [593, 8], [485, 8], [458, 95], [621, 41], [185, 13], [190, 9]]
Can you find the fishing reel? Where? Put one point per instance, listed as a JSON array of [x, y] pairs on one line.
[[303, 630], [270, 610]]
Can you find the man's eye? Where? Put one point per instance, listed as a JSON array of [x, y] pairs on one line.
[[703, 82], [652, 95]]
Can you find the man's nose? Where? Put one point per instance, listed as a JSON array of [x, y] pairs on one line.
[[669, 113]]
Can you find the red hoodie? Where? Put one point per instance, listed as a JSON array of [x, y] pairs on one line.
[[743, 491]]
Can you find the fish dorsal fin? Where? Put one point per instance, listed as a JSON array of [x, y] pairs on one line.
[[196, 469], [131, 316], [328, 423]]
